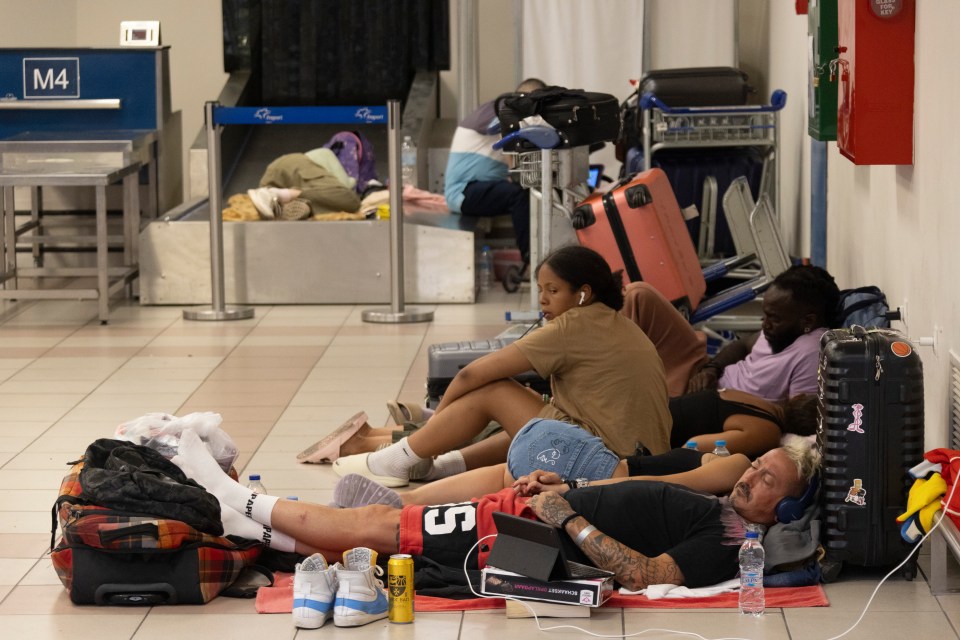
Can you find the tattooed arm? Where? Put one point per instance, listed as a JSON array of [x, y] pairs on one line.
[[632, 569]]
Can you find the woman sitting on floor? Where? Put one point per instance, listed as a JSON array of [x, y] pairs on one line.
[[606, 378]]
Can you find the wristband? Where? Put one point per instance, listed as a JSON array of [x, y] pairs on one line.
[[586, 531], [565, 521]]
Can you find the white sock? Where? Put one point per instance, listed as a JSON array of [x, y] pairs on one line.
[[236, 524], [195, 460], [395, 460], [446, 465], [284, 195], [259, 507]]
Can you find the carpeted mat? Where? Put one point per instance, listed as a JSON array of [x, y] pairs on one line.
[[279, 599]]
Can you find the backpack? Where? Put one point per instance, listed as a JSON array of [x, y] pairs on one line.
[[865, 307], [355, 153], [130, 555]]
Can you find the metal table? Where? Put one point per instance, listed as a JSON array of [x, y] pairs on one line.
[[55, 172], [119, 147]]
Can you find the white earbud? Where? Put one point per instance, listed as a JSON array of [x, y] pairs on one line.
[[583, 296]]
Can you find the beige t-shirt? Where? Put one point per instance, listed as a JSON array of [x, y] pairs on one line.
[[605, 375]]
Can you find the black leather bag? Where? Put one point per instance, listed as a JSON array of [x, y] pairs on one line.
[[580, 117]]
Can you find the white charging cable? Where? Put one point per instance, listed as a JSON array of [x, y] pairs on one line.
[[567, 626], [536, 619], [916, 548]]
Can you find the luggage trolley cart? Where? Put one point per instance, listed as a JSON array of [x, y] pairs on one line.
[[557, 181], [666, 127]]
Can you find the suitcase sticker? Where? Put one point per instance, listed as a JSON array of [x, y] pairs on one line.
[[857, 494], [857, 423]]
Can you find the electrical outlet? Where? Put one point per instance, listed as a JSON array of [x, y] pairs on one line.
[[903, 314], [937, 338]]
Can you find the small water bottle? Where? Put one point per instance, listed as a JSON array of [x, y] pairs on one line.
[[408, 162], [690, 444], [751, 575], [720, 448], [254, 483], [485, 269]]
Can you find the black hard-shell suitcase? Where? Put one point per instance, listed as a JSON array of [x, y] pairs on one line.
[[445, 359], [870, 433], [697, 86], [580, 117]]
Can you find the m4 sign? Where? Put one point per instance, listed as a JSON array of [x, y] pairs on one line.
[[51, 78]]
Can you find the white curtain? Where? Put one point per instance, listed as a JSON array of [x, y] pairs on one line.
[[598, 45], [584, 44], [692, 33]]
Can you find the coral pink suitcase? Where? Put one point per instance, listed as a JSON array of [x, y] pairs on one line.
[[638, 227]]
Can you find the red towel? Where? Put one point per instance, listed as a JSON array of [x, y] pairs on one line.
[[279, 599]]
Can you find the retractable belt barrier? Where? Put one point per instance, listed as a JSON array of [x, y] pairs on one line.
[[217, 116]]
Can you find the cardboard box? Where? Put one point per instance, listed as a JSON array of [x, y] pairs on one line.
[[590, 593]]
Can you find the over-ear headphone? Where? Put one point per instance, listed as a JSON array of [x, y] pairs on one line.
[[583, 296], [790, 509]]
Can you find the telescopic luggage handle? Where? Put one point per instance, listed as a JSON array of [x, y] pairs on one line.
[[539, 136], [778, 100]]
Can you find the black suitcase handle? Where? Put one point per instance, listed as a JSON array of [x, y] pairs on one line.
[[135, 594]]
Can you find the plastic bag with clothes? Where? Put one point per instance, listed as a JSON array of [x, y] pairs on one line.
[[161, 431]]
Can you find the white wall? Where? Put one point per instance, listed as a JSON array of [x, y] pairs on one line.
[[786, 69], [193, 31], [899, 227], [28, 24]]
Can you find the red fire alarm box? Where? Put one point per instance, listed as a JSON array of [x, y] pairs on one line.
[[875, 72]]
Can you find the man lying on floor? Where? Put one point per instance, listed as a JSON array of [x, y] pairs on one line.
[[645, 532]]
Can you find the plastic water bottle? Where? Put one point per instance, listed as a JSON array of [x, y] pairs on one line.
[[751, 575], [254, 484], [408, 162], [485, 269], [690, 444], [720, 448]]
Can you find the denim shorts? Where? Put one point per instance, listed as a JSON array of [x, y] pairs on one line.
[[563, 448]]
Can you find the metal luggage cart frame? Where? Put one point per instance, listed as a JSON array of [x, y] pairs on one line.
[[666, 127], [528, 165], [557, 189]]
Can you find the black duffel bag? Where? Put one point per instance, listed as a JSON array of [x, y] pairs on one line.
[[580, 117]]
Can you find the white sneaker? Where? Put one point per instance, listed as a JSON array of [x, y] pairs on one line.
[[361, 598], [266, 203], [314, 589], [357, 463]]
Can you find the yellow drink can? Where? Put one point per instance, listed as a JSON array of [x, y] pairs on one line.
[[400, 588]]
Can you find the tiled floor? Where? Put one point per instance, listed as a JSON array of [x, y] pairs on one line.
[[281, 380]]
